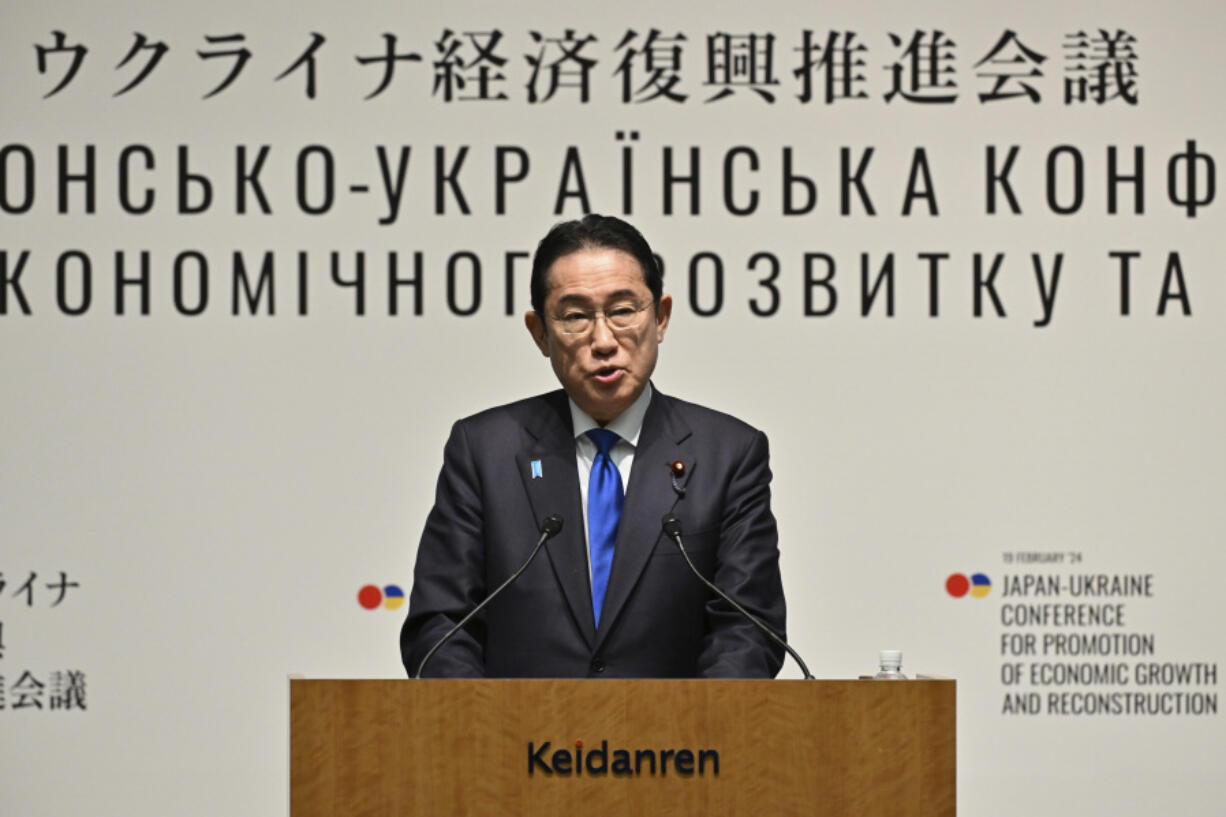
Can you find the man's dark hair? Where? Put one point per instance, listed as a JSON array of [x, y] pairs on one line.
[[592, 232]]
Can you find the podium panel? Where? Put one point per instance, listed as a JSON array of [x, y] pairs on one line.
[[591, 747]]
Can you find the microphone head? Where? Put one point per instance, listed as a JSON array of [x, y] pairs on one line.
[[671, 525], [551, 524]]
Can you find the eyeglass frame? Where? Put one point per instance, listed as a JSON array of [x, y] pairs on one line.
[[593, 315]]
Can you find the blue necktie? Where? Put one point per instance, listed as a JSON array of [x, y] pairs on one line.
[[604, 511]]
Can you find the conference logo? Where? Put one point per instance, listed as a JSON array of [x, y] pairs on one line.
[[958, 585], [391, 597]]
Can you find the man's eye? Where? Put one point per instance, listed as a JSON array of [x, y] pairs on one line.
[[622, 311], [573, 316]]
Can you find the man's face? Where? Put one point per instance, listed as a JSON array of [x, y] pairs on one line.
[[605, 369]]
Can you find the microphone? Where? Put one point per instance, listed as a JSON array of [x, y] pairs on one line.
[[672, 529], [550, 526]]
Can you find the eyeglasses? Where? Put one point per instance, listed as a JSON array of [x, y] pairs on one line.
[[620, 318]]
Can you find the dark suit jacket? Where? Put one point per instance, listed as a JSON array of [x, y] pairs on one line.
[[658, 620]]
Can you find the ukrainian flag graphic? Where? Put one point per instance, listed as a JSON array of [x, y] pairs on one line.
[[981, 585], [393, 597]]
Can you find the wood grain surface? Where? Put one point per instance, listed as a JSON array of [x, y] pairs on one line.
[[417, 748]]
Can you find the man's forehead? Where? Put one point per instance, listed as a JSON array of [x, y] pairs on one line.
[[596, 274], [584, 295]]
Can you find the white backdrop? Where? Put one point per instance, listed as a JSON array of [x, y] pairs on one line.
[[218, 488]]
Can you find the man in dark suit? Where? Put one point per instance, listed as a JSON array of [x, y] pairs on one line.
[[610, 596]]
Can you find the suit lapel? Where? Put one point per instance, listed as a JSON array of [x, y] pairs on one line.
[[556, 490], [649, 496]]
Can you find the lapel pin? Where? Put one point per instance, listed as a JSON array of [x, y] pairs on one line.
[[676, 470], [536, 470]]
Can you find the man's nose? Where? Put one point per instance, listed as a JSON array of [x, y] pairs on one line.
[[603, 339]]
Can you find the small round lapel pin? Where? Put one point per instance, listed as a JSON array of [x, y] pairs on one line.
[[676, 470]]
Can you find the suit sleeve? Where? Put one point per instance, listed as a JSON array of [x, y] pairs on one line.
[[449, 578], [747, 569]]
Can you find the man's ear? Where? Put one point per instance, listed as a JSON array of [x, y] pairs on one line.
[[664, 311], [536, 328]]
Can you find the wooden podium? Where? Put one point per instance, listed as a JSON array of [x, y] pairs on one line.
[[638, 748]]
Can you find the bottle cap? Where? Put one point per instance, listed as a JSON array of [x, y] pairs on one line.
[[891, 658]]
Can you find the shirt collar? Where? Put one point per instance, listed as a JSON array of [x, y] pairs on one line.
[[626, 425]]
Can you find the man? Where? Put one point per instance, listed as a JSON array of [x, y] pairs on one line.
[[610, 596]]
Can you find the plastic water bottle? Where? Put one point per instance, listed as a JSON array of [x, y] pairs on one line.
[[891, 666]]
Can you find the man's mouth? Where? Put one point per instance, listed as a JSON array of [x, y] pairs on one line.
[[608, 374]]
